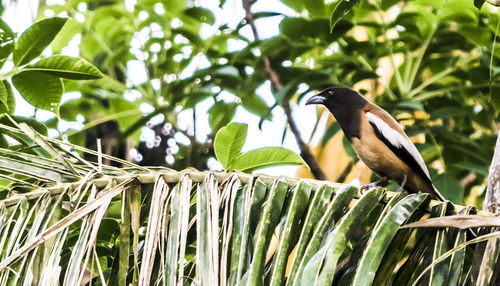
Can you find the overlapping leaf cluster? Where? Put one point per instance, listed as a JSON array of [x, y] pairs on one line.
[[71, 222], [40, 83]]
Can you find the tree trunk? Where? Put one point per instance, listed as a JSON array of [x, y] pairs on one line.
[[492, 204], [492, 199]]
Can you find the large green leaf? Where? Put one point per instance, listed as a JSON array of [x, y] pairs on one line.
[[321, 267], [381, 238], [34, 40], [449, 187], [315, 211], [256, 105], [310, 253], [342, 9], [295, 211], [39, 89], [128, 111], [247, 205], [228, 143], [267, 223], [67, 67], [266, 157], [201, 14], [221, 114]]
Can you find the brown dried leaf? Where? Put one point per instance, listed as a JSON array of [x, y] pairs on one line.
[[457, 221]]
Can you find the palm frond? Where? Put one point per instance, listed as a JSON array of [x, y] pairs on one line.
[[69, 221]]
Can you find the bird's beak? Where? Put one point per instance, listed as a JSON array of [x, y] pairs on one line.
[[316, 99]]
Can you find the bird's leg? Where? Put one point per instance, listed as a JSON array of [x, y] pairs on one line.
[[382, 182], [403, 183]]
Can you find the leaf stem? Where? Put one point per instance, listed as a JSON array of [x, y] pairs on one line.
[[416, 65]]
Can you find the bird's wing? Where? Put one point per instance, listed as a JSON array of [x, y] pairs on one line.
[[399, 143]]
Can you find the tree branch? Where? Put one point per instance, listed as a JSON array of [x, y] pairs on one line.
[[276, 86]]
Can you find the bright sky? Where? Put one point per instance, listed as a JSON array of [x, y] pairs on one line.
[[19, 16]]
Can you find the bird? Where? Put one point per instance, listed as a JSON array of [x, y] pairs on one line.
[[378, 139]]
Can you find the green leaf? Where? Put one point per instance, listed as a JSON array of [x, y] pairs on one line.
[[228, 143], [449, 187], [266, 157], [201, 14], [317, 207], [265, 229], [33, 123], [322, 215], [468, 166], [66, 34], [342, 9], [386, 4], [6, 41], [410, 105], [11, 101], [285, 93], [315, 7], [227, 72], [480, 36], [256, 105], [128, 112], [248, 201], [34, 40], [298, 204], [66, 67], [7, 101], [39, 89], [296, 5], [382, 236], [321, 267], [221, 114], [395, 252]]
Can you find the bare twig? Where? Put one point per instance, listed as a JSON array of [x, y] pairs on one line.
[[276, 86]]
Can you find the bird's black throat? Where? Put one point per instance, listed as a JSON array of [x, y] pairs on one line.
[[349, 120], [346, 107]]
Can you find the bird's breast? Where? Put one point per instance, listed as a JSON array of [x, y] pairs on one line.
[[375, 154]]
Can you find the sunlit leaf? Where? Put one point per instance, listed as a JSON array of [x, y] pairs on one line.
[[228, 143], [201, 14], [221, 114], [66, 67], [340, 11], [39, 89], [34, 40], [266, 157]]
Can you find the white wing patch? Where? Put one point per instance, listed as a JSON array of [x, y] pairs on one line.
[[398, 140]]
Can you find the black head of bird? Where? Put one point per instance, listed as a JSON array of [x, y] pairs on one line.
[[335, 97], [377, 138]]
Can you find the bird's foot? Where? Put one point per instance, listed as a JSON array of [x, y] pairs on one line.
[[382, 182]]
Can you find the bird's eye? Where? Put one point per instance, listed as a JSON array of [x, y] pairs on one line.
[[330, 92]]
